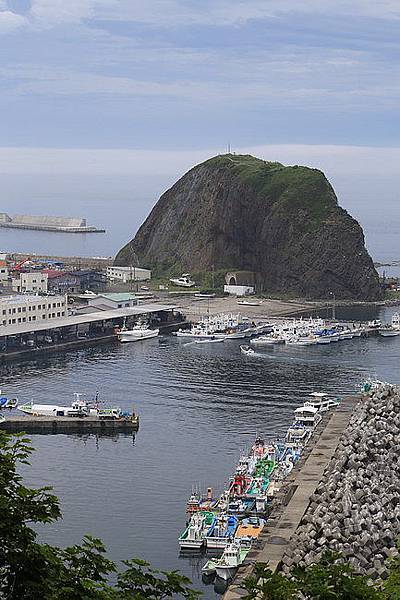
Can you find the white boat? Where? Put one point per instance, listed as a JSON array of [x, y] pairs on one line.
[[389, 332], [204, 296], [233, 556], [183, 281], [246, 350], [193, 536], [393, 329], [269, 339], [139, 332], [212, 340], [6, 402], [2, 418], [374, 324], [346, 334], [222, 326], [321, 401], [307, 416], [309, 340], [250, 303], [78, 408]]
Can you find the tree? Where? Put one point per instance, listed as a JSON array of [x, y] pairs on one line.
[[30, 570]]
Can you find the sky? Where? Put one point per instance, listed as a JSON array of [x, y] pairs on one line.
[[149, 87]]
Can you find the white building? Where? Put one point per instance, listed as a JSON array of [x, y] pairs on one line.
[[125, 274], [239, 290], [30, 282], [4, 274], [25, 309], [112, 301]]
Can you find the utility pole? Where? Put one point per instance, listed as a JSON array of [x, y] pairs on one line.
[[333, 305]]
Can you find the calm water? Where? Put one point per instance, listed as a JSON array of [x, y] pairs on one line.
[[199, 406]]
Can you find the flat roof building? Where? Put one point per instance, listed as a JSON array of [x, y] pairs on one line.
[[18, 310], [125, 274]]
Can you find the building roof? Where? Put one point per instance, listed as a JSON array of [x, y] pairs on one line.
[[143, 309], [23, 298], [53, 273], [118, 296], [128, 269]]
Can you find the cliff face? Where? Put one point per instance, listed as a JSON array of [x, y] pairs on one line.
[[241, 213]]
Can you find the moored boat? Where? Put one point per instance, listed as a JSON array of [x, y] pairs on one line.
[[233, 556], [246, 350], [139, 332], [193, 536], [221, 531]]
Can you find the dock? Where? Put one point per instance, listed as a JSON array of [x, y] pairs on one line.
[[52, 425], [291, 502]]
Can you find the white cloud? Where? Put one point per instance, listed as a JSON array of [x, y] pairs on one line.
[[10, 21]]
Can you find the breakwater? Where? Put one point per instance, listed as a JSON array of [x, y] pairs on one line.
[[355, 509]]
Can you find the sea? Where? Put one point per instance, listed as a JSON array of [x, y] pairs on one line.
[[200, 406]]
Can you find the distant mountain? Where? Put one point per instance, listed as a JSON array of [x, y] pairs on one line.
[[282, 223]]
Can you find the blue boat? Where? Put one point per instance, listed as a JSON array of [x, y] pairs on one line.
[[221, 531]]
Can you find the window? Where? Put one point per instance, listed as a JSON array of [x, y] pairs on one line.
[[4, 312], [19, 319], [58, 314], [24, 309], [127, 304], [4, 322], [13, 320], [24, 319], [19, 309], [34, 318], [119, 305], [43, 316]]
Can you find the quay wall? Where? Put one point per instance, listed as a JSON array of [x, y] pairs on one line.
[[65, 425]]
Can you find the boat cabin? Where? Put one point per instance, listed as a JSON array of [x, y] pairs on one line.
[[307, 416]]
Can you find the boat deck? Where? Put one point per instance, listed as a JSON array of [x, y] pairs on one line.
[[30, 424]]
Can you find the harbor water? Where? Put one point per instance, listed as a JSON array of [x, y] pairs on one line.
[[199, 406]]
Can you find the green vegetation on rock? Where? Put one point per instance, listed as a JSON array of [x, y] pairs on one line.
[[283, 224]]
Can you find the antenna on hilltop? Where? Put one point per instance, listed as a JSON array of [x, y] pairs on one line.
[[229, 148]]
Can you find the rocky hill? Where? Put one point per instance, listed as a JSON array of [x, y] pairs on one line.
[[241, 213]]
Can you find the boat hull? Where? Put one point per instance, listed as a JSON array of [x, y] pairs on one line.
[[225, 573], [138, 336], [389, 333]]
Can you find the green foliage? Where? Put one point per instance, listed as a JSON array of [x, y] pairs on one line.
[[391, 586], [330, 579], [30, 570]]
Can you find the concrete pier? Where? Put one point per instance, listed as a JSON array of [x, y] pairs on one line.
[[30, 424], [292, 500]]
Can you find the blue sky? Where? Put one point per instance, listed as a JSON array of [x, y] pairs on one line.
[[184, 74], [146, 88]]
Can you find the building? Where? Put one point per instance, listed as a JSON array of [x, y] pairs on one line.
[[62, 282], [95, 281], [112, 301], [25, 309], [125, 274], [35, 281], [4, 273], [240, 283]]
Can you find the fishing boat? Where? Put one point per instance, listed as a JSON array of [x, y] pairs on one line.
[[139, 332], [392, 329], [2, 418], [6, 402], [233, 556], [297, 437], [212, 340], [307, 416], [247, 350], [321, 401], [308, 340], [78, 408], [183, 281], [250, 302], [250, 528], [221, 531], [193, 536], [374, 324]]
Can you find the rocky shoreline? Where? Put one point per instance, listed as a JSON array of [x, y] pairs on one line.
[[355, 509]]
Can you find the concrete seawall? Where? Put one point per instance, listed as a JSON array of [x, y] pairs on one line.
[[293, 499], [30, 424]]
